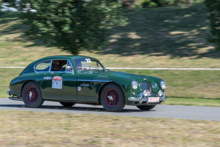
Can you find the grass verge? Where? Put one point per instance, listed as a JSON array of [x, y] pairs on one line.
[[6, 75], [26, 128], [193, 102]]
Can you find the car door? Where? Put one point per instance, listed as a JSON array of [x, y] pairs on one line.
[[88, 87], [90, 79], [59, 83]]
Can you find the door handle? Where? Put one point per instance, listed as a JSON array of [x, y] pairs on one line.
[[47, 78]]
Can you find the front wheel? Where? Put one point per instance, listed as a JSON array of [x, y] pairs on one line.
[[67, 104], [149, 107], [31, 94], [112, 98]]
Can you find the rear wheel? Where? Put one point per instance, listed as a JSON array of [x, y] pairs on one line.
[[67, 104], [112, 98], [149, 107], [31, 94]]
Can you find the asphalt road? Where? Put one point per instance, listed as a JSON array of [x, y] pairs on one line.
[[160, 111]]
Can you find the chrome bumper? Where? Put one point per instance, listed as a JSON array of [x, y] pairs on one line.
[[144, 99], [9, 93], [16, 99]]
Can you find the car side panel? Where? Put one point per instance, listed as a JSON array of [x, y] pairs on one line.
[[18, 82], [66, 93]]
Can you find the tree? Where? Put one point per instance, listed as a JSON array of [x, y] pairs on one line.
[[71, 25], [213, 7]]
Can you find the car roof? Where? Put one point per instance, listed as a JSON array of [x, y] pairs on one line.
[[30, 68], [63, 57]]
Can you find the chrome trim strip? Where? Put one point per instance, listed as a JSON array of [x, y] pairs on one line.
[[16, 99], [84, 85], [134, 99], [47, 78], [94, 80], [51, 61]]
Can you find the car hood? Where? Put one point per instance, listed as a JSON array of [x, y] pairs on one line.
[[115, 74], [122, 78]]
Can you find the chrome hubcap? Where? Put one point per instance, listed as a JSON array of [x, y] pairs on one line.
[[30, 95], [110, 98]]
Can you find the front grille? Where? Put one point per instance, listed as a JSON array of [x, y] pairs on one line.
[[147, 86]]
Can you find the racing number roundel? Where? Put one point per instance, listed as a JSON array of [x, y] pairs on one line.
[[57, 82]]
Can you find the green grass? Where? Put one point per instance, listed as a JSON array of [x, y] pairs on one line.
[[193, 101], [200, 88], [6, 75], [159, 37]]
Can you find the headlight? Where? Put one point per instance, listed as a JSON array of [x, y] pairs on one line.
[[134, 85], [162, 85]]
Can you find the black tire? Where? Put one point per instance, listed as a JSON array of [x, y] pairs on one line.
[[149, 107], [67, 104], [118, 101], [32, 96]]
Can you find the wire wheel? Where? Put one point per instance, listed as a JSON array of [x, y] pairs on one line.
[[31, 94], [112, 98]]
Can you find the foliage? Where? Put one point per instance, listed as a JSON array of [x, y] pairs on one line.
[[152, 5], [12, 3], [214, 18], [145, 3], [165, 3], [128, 3], [0, 4], [71, 25]]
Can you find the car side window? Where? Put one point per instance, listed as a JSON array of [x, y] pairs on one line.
[[43, 66], [59, 65]]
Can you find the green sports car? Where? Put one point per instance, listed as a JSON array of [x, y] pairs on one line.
[[82, 79]]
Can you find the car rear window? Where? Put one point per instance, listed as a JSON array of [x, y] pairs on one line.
[[43, 66]]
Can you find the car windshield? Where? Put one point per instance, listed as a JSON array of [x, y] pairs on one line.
[[87, 64]]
